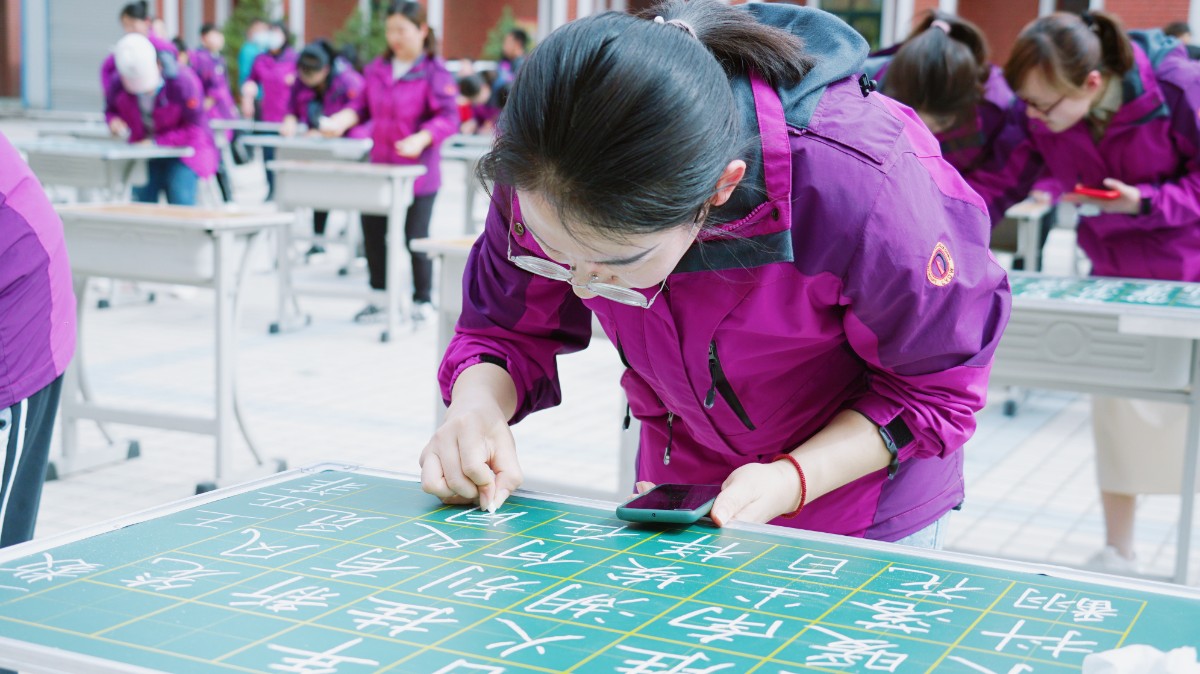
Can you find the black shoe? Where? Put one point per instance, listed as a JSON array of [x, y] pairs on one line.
[[316, 249], [372, 313]]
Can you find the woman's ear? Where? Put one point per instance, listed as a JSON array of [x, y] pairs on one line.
[[730, 177]]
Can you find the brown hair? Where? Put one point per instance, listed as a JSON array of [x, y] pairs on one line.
[[1066, 47], [938, 71], [414, 12]]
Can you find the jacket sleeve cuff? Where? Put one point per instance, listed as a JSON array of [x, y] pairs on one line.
[[494, 359], [883, 411]]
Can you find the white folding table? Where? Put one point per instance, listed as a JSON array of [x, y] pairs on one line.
[[167, 244]]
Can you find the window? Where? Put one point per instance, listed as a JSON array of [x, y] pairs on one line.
[[865, 16]]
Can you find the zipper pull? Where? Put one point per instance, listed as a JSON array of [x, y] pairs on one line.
[[670, 435], [710, 398], [625, 426]]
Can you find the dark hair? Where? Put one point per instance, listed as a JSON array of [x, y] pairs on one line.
[[207, 28], [1066, 47], [520, 36], [316, 55], [1177, 28], [414, 12], [287, 34], [139, 11], [941, 72], [180, 45], [470, 86], [626, 125]]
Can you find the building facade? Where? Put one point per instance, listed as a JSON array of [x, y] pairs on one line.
[[50, 50]]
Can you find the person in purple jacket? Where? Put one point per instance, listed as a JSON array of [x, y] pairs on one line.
[[799, 285], [209, 65], [168, 111], [1118, 112], [37, 339], [942, 71], [135, 18], [274, 72], [328, 98], [410, 102]]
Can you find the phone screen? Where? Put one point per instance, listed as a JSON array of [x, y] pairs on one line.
[[675, 497]]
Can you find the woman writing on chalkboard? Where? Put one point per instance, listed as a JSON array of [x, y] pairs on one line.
[[1116, 112], [799, 285]]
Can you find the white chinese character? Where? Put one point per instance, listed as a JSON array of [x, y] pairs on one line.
[[482, 590], [707, 552], [524, 640], [900, 616], [401, 617], [340, 520], [219, 518], [809, 565], [176, 578], [845, 651], [51, 569], [1093, 610], [316, 662], [441, 541], [1020, 668], [532, 558], [771, 592], [363, 565], [657, 662], [281, 501], [252, 549], [484, 518], [1056, 645], [929, 588], [724, 629], [661, 576], [461, 666], [1032, 598], [326, 487], [277, 600], [586, 531], [586, 605]]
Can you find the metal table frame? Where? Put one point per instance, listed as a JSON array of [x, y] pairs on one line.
[[110, 167], [115, 229]]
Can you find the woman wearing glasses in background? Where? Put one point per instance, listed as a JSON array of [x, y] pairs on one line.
[[785, 264], [1118, 112]]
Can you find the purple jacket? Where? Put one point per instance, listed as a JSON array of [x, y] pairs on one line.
[[1152, 142], [877, 253], [179, 119], [422, 100], [344, 90], [992, 151], [210, 68], [275, 74], [37, 303]]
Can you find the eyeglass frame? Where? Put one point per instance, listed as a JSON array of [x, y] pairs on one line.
[[1047, 111], [557, 272]]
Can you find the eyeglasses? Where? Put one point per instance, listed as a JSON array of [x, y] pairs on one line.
[[552, 270], [1046, 111]]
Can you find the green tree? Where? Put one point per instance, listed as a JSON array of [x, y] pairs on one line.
[[363, 37], [495, 39], [235, 34]]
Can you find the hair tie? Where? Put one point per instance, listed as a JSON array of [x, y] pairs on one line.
[[1089, 21], [678, 23], [939, 23]]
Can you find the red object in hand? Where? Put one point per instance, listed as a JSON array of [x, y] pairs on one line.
[[1097, 193]]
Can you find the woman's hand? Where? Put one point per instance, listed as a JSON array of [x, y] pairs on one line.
[[118, 128], [472, 457], [755, 492], [412, 146], [1129, 203], [289, 127]]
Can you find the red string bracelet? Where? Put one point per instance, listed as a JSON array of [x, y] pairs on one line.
[[803, 483]]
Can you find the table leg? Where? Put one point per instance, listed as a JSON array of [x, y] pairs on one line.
[[352, 238], [1188, 490], [396, 254], [288, 317], [225, 304], [472, 189]]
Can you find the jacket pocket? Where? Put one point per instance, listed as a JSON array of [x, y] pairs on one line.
[[721, 385]]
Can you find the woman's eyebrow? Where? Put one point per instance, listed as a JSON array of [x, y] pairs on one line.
[[614, 262]]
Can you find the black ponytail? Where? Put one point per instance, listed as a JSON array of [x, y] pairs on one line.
[[941, 68], [1115, 48], [1066, 47], [414, 12], [139, 11]]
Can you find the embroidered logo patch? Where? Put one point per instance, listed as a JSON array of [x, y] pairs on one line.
[[940, 270]]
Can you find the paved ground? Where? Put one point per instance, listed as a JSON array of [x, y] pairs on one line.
[[333, 392]]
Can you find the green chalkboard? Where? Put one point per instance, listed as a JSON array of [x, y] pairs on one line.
[[348, 571], [1106, 290]]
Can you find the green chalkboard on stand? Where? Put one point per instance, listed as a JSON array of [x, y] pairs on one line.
[[335, 569]]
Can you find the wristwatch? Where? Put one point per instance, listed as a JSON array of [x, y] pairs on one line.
[[895, 435]]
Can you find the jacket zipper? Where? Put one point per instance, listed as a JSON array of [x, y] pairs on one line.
[[721, 385], [670, 436]]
